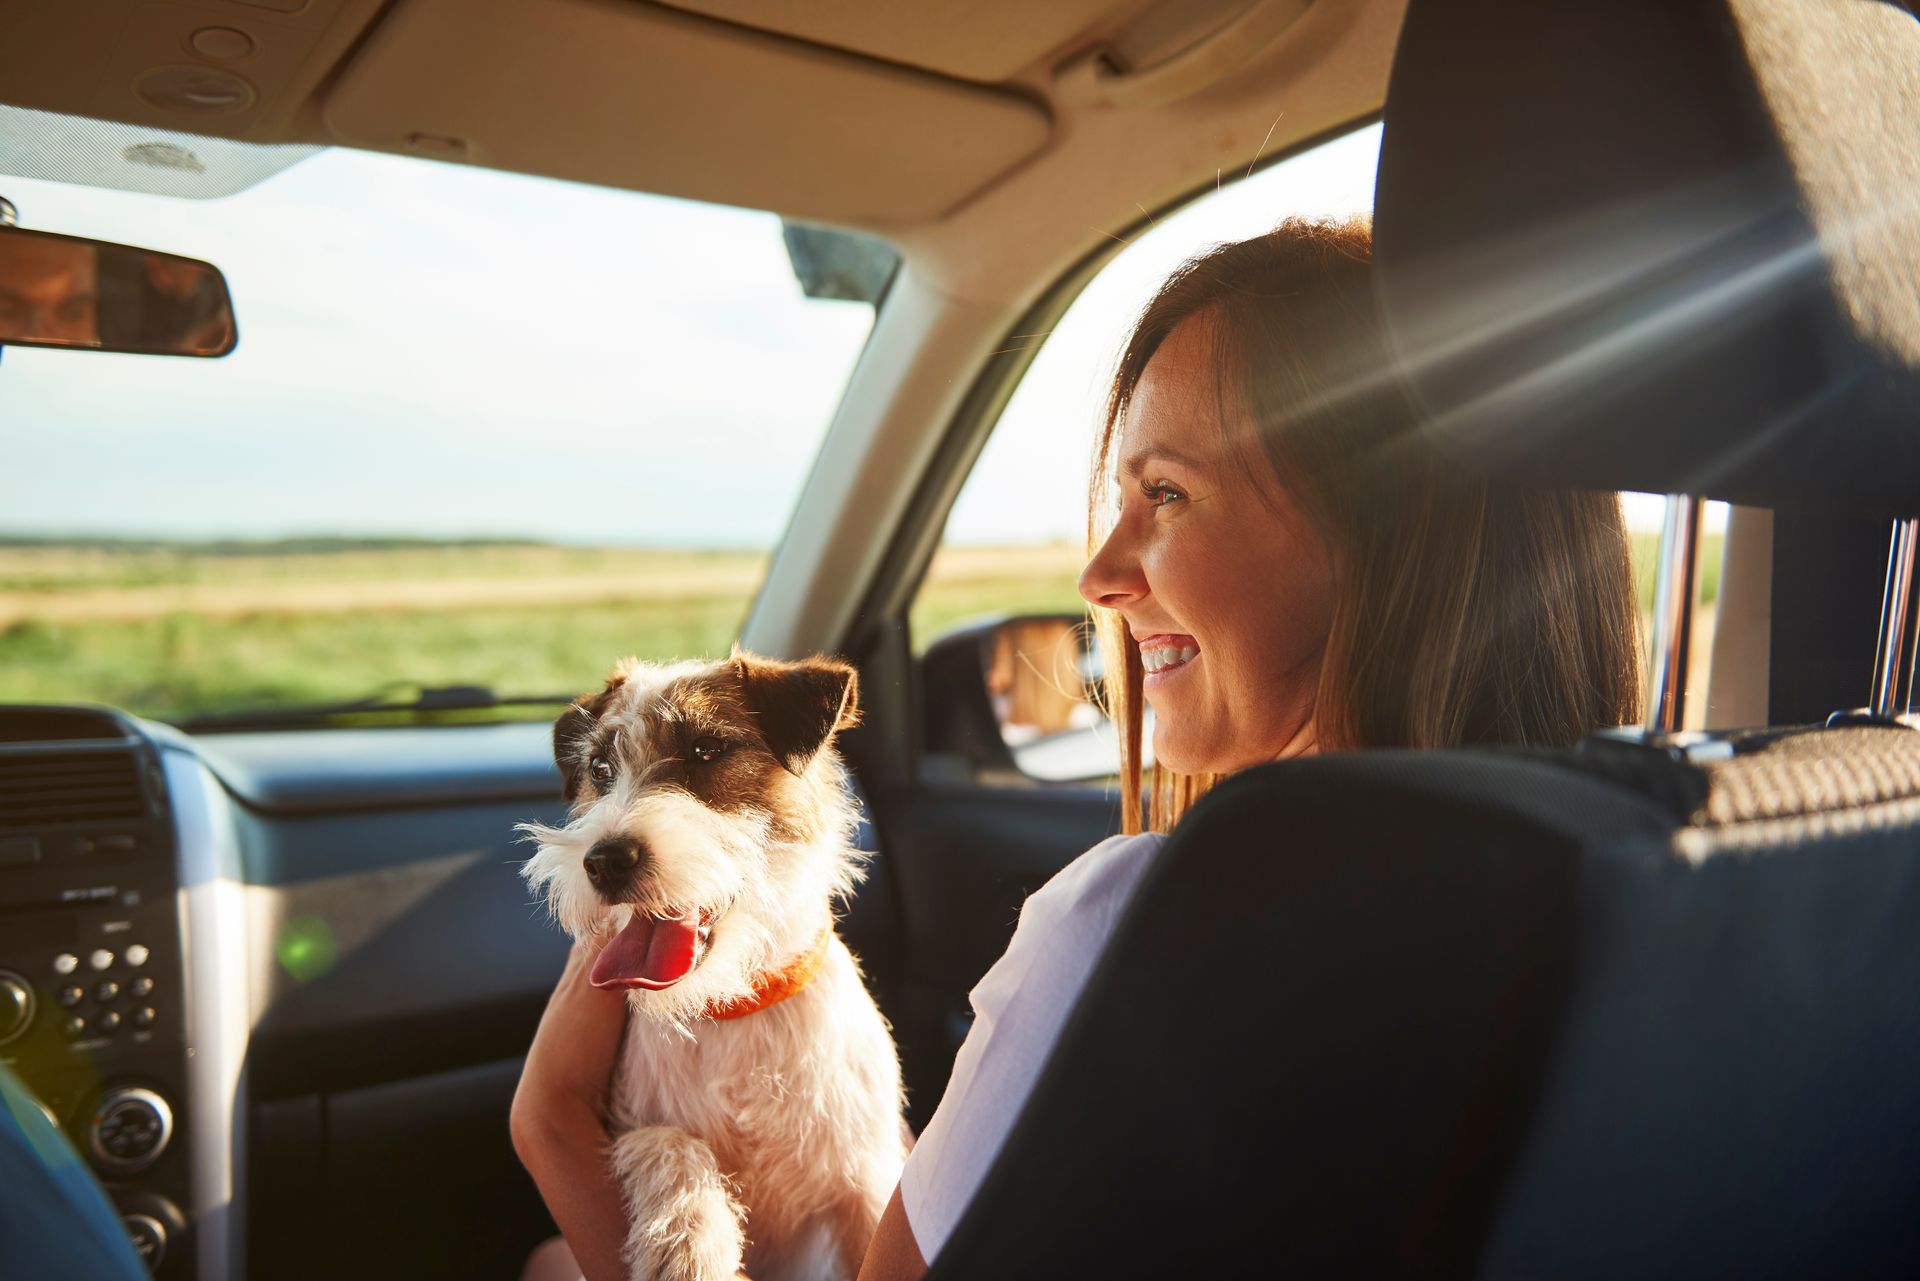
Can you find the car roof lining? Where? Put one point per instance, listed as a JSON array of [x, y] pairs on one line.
[[875, 116]]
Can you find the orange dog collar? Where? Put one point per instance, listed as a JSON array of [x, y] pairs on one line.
[[776, 986]]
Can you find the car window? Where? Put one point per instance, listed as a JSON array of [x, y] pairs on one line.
[[1015, 540], [480, 430]]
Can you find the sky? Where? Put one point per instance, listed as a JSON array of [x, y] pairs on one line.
[[440, 351], [1032, 475]]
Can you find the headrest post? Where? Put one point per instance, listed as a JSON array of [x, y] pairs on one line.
[[1894, 607], [1672, 614]]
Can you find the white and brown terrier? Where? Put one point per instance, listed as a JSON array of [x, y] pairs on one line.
[[756, 1108]]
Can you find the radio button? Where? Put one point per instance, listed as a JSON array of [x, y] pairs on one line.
[[137, 954], [65, 963], [129, 1130], [16, 1006], [149, 1237], [100, 958], [142, 986], [72, 994]]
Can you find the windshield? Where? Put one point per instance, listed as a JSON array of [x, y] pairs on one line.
[[480, 429]]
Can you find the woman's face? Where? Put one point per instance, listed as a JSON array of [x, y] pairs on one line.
[[1224, 587]]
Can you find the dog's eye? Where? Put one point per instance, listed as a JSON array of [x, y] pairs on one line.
[[600, 770], [709, 750]]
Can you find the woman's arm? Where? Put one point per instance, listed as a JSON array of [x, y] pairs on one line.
[[1021, 1004], [893, 1254], [559, 1115]]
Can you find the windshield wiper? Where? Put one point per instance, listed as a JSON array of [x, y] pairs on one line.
[[429, 702]]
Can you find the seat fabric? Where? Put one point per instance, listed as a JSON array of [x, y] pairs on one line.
[[1591, 1013]]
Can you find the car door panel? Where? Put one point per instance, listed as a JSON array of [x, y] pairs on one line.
[[963, 857]]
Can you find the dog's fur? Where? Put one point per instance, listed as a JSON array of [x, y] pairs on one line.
[[772, 1140]]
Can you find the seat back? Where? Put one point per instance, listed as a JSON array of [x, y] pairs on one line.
[[1592, 1013], [1610, 1011]]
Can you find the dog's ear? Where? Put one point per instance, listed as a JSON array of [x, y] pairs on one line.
[[574, 728], [799, 706]]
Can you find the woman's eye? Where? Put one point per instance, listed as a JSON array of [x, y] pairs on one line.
[[600, 770], [709, 750], [1160, 494]]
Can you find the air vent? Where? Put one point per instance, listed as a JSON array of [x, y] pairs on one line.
[[42, 790]]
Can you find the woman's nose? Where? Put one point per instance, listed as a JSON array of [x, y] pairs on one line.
[[1112, 579]]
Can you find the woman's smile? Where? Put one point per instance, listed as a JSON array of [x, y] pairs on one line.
[[1163, 653]]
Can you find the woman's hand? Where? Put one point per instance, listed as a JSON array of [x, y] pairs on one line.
[[559, 1118]]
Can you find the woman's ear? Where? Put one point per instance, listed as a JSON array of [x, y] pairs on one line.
[[798, 707], [574, 730]]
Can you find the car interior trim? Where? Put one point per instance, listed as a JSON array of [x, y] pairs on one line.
[[811, 593], [859, 154], [981, 40], [218, 1018], [392, 767]]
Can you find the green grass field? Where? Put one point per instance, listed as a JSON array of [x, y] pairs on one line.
[[168, 630]]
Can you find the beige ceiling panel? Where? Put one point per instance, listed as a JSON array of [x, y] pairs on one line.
[[986, 40], [633, 95], [204, 66]]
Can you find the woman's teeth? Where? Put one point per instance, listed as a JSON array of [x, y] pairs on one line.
[[1161, 657]]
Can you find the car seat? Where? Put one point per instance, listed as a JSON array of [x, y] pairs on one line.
[[1643, 1007]]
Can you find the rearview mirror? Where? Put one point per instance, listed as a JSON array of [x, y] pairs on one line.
[[90, 295]]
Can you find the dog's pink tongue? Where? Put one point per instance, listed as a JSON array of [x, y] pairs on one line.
[[652, 952]]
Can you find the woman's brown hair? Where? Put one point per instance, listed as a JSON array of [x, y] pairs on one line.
[[1466, 610]]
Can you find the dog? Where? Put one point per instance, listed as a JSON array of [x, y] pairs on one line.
[[757, 1105]]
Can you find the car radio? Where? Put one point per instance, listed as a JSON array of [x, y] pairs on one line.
[[92, 975]]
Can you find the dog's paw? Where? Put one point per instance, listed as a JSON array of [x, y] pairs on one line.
[[686, 1224]]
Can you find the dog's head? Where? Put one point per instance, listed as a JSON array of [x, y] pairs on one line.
[[710, 829]]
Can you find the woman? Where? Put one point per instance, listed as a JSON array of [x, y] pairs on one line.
[[1284, 566]]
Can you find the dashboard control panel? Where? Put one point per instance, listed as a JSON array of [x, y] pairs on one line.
[[93, 1015]]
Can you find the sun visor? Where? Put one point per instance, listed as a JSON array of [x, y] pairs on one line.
[[635, 95], [1673, 247]]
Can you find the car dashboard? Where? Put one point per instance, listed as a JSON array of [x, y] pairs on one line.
[[276, 986]]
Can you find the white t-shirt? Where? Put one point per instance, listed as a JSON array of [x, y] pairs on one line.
[[1018, 1008]]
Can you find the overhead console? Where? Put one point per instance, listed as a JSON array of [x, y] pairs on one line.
[[93, 1015], [233, 68]]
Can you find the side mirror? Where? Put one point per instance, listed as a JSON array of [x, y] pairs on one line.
[[90, 295], [1017, 697]]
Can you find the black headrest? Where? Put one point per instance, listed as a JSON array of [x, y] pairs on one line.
[[1664, 245]]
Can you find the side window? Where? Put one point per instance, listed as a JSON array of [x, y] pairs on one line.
[[1016, 539], [1005, 574]]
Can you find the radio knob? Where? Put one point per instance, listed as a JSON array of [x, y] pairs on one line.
[[149, 1237], [129, 1130], [16, 1005]]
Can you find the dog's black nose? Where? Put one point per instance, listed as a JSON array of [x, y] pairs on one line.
[[612, 866]]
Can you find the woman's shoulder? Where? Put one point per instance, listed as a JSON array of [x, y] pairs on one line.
[[1096, 885]]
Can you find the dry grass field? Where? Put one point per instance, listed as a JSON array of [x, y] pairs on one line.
[[169, 630]]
